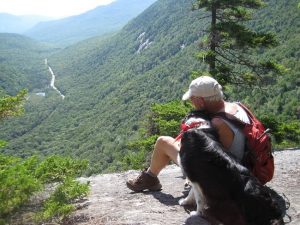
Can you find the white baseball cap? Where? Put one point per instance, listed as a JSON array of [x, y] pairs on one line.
[[203, 86]]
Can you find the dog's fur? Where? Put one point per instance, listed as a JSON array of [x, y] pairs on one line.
[[225, 191]]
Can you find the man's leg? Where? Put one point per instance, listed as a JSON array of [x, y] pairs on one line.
[[165, 149]]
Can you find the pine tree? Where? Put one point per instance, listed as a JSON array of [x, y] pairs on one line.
[[230, 46]]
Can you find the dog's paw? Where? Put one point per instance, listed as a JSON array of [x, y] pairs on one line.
[[183, 202], [186, 201], [187, 183], [189, 200], [195, 213]]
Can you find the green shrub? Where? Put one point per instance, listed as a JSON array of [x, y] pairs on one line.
[[20, 179], [60, 202], [164, 119], [17, 184], [56, 169], [140, 153]]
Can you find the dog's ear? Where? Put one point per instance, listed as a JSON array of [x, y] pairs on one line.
[[193, 137], [189, 139]]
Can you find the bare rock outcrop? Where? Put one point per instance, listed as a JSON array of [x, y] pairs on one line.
[[111, 203]]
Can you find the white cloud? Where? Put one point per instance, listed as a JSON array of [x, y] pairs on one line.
[[51, 8]]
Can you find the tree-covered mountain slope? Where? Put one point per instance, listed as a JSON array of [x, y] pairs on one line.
[[279, 99], [110, 84], [22, 63], [96, 22]]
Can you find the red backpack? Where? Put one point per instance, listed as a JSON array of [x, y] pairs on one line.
[[258, 152]]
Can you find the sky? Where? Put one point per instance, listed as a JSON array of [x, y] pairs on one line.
[[49, 8]]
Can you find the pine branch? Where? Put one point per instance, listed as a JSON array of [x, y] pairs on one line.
[[225, 57], [204, 17], [233, 57]]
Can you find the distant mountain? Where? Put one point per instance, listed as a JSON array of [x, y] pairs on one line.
[[18, 24], [109, 85], [99, 21]]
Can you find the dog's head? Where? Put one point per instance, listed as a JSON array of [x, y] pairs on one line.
[[205, 137], [200, 148]]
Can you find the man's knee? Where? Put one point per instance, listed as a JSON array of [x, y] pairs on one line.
[[167, 146], [164, 140]]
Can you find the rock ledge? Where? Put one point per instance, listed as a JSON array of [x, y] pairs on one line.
[[111, 203]]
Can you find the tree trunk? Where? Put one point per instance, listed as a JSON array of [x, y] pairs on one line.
[[213, 34]]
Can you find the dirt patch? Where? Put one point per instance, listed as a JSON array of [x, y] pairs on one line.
[[112, 203]]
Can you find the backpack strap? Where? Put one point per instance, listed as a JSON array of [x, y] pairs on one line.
[[230, 118], [248, 112], [234, 120]]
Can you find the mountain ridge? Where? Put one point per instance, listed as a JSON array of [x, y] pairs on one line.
[[10, 23], [101, 20]]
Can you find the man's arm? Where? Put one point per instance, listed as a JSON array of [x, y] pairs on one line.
[[225, 133]]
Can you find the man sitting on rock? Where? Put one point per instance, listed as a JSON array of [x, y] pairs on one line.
[[206, 95]]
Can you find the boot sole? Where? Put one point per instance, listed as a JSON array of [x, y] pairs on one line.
[[157, 187]]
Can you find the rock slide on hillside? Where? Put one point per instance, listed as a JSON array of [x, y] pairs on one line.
[[111, 203]]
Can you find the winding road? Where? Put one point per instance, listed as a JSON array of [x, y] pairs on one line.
[[53, 80]]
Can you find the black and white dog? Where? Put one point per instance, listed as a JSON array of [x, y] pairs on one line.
[[225, 191]]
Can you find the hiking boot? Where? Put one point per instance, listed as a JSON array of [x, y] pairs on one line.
[[144, 181]]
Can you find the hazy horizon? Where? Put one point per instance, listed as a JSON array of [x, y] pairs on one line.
[[49, 8]]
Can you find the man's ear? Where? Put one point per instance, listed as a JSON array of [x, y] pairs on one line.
[[202, 102]]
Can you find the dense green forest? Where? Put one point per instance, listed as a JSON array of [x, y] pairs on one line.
[[22, 63], [110, 85]]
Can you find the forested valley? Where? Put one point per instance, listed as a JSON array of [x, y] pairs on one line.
[[117, 88]]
